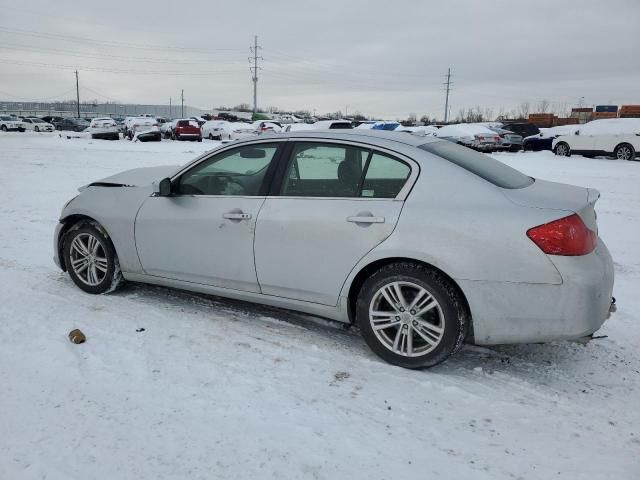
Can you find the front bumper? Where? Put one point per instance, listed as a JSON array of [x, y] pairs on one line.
[[56, 246], [506, 312]]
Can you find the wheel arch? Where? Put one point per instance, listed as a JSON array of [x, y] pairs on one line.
[[68, 222], [372, 267], [615, 149]]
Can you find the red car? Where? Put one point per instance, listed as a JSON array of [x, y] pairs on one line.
[[186, 130]]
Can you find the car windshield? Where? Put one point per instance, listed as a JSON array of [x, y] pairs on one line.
[[6, 118], [479, 164], [36, 120]]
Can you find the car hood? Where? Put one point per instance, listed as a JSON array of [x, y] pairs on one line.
[[136, 177]]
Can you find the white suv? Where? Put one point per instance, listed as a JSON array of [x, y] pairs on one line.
[[618, 137], [8, 122]]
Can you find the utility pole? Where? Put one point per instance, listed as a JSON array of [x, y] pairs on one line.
[[254, 71], [182, 103], [446, 102], [77, 93], [170, 112]]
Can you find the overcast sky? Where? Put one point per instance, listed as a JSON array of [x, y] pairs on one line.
[[381, 58]]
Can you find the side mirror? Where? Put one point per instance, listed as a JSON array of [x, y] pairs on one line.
[[162, 188]]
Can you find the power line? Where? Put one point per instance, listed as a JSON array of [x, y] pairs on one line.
[[111, 43], [108, 70], [95, 56]]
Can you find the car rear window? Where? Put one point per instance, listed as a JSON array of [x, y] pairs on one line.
[[479, 164]]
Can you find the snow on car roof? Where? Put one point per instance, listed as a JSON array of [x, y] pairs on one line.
[[611, 126], [463, 129]]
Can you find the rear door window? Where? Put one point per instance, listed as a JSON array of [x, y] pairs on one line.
[[339, 171]]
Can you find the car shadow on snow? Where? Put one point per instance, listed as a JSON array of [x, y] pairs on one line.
[[546, 364]]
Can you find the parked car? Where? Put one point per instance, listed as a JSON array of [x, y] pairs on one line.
[[524, 129], [167, 128], [143, 129], [378, 125], [52, 119], [37, 125], [509, 141], [9, 123], [266, 126], [200, 121], [423, 130], [333, 124], [186, 129], [477, 137], [544, 140], [617, 137], [73, 124], [104, 128], [379, 239]]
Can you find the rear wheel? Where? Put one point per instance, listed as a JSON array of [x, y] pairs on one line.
[[562, 149], [4, 128], [624, 151], [90, 258], [411, 316]]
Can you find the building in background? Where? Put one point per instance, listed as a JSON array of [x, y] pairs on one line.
[[70, 109]]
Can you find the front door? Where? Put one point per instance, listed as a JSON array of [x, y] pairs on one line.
[[204, 232], [336, 203]]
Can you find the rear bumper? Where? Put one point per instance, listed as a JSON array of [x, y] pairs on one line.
[[505, 312]]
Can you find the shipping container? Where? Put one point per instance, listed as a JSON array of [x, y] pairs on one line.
[[627, 109], [582, 110], [599, 115], [606, 108]]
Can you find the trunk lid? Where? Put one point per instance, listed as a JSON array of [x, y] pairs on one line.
[[558, 196]]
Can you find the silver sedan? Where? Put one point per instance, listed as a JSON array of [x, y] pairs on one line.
[[420, 242]]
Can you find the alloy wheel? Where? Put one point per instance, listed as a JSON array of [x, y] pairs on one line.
[[406, 319], [623, 153], [88, 259], [561, 150]]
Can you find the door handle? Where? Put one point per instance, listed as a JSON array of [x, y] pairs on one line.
[[236, 216], [365, 219]]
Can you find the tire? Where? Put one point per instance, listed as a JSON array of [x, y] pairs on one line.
[[562, 149], [36, 129], [86, 243], [4, 128], [199, 139], [624, 151], [435, 334], [210, 136]]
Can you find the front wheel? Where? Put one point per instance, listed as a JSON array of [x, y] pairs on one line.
[[36, 129], [411, 316], [562, 149], [4, 128], [625, 152], [90, 258]]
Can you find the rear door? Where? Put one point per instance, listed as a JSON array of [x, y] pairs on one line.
[[336, 201]]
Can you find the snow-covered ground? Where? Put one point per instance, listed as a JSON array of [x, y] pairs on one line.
[[219, 389]]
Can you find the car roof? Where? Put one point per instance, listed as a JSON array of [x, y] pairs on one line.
[[374, 137]]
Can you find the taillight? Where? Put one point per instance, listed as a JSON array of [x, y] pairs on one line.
[[497, 139], [568, 236]]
